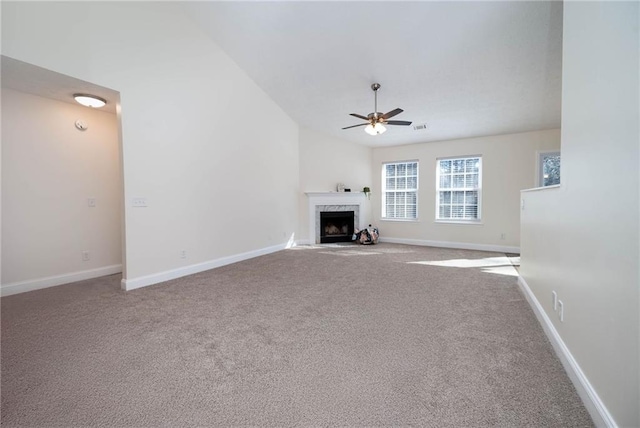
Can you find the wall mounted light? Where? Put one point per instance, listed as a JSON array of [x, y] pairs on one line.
[[90, 100]]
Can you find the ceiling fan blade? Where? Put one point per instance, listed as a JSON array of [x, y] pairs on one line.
[[397, 122], [359, 116], [392, 113], [353, 126]]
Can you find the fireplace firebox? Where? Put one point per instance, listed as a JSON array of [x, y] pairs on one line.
[[336, 226]]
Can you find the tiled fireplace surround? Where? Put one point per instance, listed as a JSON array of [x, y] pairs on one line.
[[333, 201]]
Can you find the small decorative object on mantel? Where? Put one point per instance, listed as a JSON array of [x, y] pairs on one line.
[[340, 187], [366, 191], [347, 190]]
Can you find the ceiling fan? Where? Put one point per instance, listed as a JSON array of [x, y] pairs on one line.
[[376, 121]]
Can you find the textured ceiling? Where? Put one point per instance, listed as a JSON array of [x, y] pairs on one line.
[[34, 80], [464, 68]]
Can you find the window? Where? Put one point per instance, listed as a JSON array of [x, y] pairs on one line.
[[459, 189], [549, 169], [400, 190]]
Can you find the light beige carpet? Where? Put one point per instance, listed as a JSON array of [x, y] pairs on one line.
[[330, 336]]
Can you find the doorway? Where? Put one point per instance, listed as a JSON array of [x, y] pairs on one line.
[[62, 181]]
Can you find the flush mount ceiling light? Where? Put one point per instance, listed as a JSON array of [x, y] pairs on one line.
[[376, 120], [90, 100]]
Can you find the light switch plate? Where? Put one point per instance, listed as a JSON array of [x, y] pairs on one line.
[[139, 202]]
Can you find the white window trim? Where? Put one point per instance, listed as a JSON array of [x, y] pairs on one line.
[[383, 186], [465, 222], [476, 221]]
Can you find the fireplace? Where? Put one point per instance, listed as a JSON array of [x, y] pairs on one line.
[[336, 226], [320, 202]]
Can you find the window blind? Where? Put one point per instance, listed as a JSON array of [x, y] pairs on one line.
[[458, 188], [400, 190]]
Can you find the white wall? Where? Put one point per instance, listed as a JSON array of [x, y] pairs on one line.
[[509, 165], [49, 170], [326, 161], [215, 157], [582, 239]]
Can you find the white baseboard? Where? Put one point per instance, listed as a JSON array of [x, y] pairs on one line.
[[596, 408], [144, 281], [303, 242], [448, 244], [51, 281]]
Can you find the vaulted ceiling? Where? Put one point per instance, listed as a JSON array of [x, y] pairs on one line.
[[464, 69]]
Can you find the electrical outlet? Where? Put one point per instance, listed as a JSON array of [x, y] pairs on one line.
[[183, 254], [561, 310], [91, 202], [86, 256], [503, 236], [554, 297]]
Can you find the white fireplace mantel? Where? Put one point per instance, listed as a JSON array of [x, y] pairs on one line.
[[333, 198]]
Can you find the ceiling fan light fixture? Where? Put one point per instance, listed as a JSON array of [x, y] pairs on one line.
[[90, 100], [376, 129], [375, 121]]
